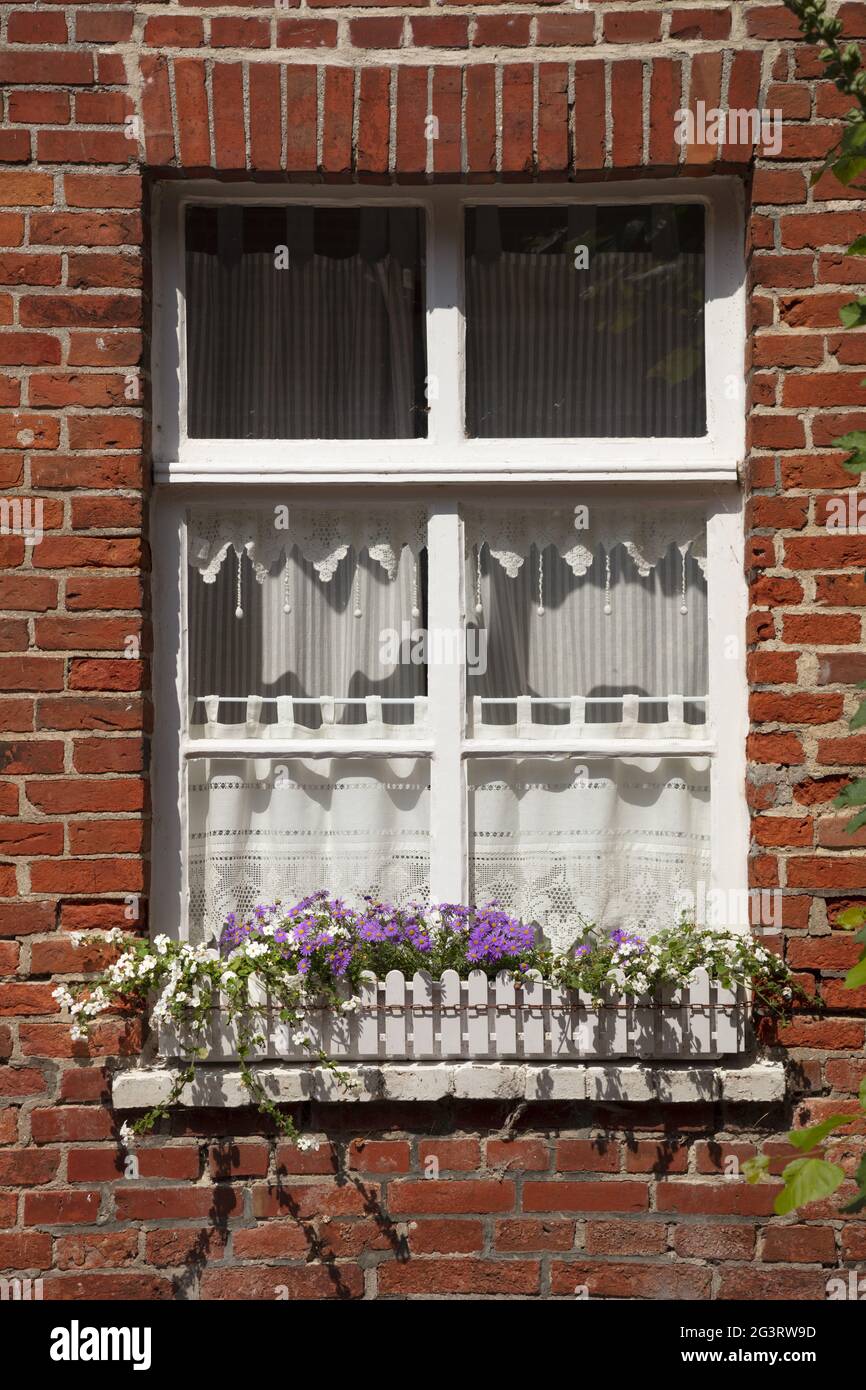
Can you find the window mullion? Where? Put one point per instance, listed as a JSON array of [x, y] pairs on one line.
[[726, 623], [445, 326], [447, 702]]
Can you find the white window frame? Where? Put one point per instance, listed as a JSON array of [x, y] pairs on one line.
[[446, 454], [663, 473]]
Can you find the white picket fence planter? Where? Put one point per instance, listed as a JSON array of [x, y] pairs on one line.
[[422, 1019]]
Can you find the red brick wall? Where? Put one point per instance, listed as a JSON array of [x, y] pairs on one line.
[[524, 90]]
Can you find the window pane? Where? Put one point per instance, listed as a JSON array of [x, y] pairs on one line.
[[585, 321], [606, 626], [262, 831], [306, 630], [305, 323], [613, 841]]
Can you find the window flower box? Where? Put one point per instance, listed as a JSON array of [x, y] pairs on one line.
[[422, 1019]]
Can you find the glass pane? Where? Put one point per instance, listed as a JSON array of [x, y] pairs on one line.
[[585, 321], [305, 323], [577, 644], [301, 632], [262, 831], [613, 841]]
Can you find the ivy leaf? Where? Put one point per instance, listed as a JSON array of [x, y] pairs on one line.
[[858, 719], [807, 1180], [856, 441], [852, 917], [856, 975], [852, 795], [859, 1202], [816, 1134], [754, 1170], [849, 167], [856, 823], [679, 365], [854, 135], [857, 248], [854, 314]]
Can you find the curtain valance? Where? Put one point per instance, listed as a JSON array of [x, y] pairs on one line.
[[324, 537], [576, 533]]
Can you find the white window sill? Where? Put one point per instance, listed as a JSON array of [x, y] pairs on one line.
[[669, 1083]]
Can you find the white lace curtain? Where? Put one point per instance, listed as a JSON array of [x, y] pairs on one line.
[[286, 630], [613, 841], [265, 831]]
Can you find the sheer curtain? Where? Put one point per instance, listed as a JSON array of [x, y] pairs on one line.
[[609, 345], [600, 631], [324, 347], [298, 635]]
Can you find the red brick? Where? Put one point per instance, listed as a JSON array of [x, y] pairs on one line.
[[306, 33], [585, 1196], [337, 121], [444, 1237], [567, 30], [25, 1250], [446, 110], [301, 1203], [102, 190], [626, 86], [518, 1155], [96, 1251], [496, 31], [175, 31], [480, 119], [265, 131], [301, 107], [307, 1282], [445, 31], [604, 1279], [373, 120], [451, 1155], [60, 1208], [711, 1242], [632, 26], [382, 32], [379, 1155], [552, 138], [700, 24], [625, 1237], [228, 105], [454, 1195], [466, 1276]]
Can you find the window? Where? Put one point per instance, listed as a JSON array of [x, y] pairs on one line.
[[448, 571]]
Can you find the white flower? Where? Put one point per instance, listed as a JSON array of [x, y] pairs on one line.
[[127, 1135], [350, 1006], [305, 1142], [161, 944], [299, 1038]]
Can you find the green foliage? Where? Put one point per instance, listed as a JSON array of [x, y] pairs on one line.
[[807, 1180], [756, 1169], [810, 1138]]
